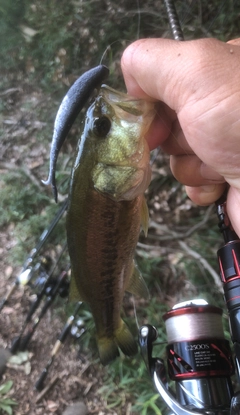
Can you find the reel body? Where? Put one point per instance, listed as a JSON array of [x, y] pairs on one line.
[[199, 361]]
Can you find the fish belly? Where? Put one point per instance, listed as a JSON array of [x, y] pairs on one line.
[[102, 236]]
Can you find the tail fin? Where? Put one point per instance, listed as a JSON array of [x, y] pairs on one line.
[[108, 349], [123, 338]]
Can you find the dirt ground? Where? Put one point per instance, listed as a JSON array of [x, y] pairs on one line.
[[74, 376]]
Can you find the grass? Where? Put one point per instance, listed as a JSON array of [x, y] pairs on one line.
[[127, 379], [130, 382], [6, 403]]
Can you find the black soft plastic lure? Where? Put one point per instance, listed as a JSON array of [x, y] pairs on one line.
[[71, 105]]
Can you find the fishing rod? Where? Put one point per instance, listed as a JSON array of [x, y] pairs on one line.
[[229, 265], [199, 358], [62, 283], [173, 20], [28, 270], [57, 346], [48, 283]]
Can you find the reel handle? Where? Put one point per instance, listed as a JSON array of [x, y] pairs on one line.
[[147, 335]]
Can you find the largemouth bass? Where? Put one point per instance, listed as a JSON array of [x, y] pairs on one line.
[[106, 210]]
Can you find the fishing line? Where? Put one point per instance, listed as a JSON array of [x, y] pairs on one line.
[[139, 19], [108, 48], [154, 155], [135, 311]]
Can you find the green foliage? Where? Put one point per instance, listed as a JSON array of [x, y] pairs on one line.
[[128, 380], [148, 403], [6, 403], [50, 42], [11, 16], [209, 19], [19, 205], [26, 210]]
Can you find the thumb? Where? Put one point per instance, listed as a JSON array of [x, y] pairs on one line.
[[175, 72], [145, 67]]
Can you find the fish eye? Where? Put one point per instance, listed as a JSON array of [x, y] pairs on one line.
[[101, 126]]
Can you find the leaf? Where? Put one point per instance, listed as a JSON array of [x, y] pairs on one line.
[[156, 409], [19, 358], [8, 401], [5, 388], [6, 408]]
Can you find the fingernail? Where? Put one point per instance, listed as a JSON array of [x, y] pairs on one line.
[[208, 188]]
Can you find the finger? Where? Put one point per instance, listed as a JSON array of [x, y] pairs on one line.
[[233, 203], [206, 195], [191, 171], [176, 72], [176, 144], [161, 126], [145, 70], [166, 131]]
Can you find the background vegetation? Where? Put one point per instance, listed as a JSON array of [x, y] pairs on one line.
[[45, 45]]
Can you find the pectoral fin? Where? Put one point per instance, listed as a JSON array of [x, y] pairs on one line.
[[115, 181], [136, 284], [144, 216]]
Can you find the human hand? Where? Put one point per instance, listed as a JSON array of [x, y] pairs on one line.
[[197, 86]]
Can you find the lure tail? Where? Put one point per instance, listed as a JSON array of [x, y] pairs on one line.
[[108, 347]]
